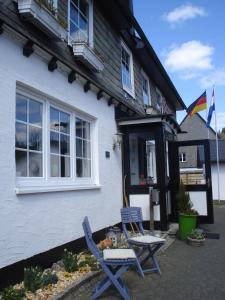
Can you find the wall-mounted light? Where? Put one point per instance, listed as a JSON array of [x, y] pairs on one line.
[[117, 141]]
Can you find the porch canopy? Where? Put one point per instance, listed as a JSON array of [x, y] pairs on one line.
[[147, 163]]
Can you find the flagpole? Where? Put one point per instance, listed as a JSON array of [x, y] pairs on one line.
[[217, 153], [207, 111]]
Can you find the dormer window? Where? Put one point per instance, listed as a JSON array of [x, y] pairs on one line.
[[127, 70], [79, 20]]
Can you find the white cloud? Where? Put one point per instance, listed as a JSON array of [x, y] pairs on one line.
[[220, 118], [183, 13], [217, 77], [189, 57]]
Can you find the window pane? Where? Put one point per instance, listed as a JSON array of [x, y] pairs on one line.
[[21, 108], [79, 167], [35, 164], [84, 7], [21, 163], [86, 168], [86, 149], [64, 122], [86, 130], [79, 147], [73, 13], [35, 138], [54, 142], [65, 166], [35, 112], [78, 127], [54, 166], [65, 144], [54, 119], [73, 30], [21, 136], [83, 24]]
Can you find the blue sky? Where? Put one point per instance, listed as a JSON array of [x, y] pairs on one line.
[[188, 37]]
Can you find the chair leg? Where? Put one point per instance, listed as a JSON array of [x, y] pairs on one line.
[[112, 279]]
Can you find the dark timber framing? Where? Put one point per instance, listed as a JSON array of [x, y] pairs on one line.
[[207, 187]]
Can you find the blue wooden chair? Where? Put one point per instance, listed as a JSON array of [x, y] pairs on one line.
[[114, 262], [148, 244]]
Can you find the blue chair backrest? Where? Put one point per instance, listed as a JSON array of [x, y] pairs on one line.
[[90, 242], [132, 215]]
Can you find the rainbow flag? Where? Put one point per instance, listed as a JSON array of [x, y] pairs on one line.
[[197, 105]]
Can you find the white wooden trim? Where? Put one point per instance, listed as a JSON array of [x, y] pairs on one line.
[[132, 91]]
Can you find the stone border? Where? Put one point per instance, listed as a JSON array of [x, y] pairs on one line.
[[75, 289]]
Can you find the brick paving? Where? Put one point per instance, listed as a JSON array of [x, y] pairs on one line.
[[187, 272]]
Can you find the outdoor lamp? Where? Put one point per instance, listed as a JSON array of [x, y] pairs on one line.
[[117, 141]]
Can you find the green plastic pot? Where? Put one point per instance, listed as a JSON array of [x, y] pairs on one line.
[[186, 224]]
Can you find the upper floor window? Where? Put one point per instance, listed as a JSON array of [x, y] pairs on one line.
[[80, 20], [127, 70], [182, 157], [146, 89], [51, 141]]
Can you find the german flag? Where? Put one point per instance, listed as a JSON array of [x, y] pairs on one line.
[[197, 105]]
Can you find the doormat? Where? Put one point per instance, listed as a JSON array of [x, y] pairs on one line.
[[211, 235]]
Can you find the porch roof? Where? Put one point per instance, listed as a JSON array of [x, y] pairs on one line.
[[158, 118]]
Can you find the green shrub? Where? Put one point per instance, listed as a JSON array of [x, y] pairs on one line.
[[11, 293], [91, 261], [35, 279], [197, 234], [32, 278], [49, 278], [70, 261], [183, 201]]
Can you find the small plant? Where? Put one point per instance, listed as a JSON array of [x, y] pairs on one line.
[[32, 278], [35, 279], [90, 261], [184, 203], [49, 4], [11, 293], [49, 278], [70, 261], [196, 234]]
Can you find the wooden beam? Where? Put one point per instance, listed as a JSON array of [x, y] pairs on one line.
[[72, 77], [52, 65], [110, 101], [1, 27], [100, 94], [28, 48], [87, 86]]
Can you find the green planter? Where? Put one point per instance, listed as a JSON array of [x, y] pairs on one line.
[[186, 224]]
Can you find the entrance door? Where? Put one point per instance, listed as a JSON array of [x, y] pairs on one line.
[[192, 167]]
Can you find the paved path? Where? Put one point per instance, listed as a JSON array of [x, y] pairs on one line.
[[187, 272]]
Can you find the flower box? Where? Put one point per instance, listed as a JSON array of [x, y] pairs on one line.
[[195, 242], [84, 53], [42, 17]]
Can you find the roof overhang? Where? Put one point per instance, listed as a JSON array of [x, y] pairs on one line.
[[152, 119]]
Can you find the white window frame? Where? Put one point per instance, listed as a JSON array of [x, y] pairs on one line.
[[131, 91], [145, 76], [181, 157], [48, 183], [90, 24]]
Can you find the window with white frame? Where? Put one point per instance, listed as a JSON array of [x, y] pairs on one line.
[[80, 20], [29, 137], [182, 157], [51, 141], [127, 69], [146, 89]]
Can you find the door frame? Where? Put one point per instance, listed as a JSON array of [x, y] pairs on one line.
[[175, 178]]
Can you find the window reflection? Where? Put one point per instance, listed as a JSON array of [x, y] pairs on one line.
[[142, 160]]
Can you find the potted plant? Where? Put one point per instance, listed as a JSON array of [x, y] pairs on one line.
[[187, 215], [196, 238]]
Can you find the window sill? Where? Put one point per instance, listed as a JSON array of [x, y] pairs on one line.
[[48, 189], [129, 92]]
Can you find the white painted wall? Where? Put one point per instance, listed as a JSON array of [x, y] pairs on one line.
[[199, 202], [215, 181], [34, 223]]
